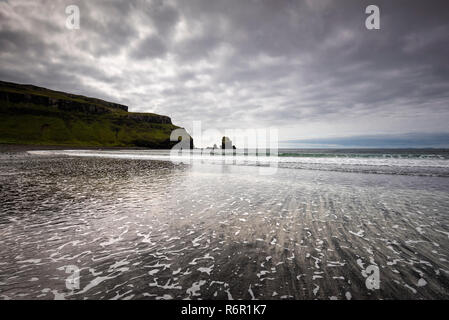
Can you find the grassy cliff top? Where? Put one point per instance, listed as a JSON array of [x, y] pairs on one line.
[[38, 116], [32, 90]]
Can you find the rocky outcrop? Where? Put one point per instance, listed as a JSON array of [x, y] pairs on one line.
[[27, 94], [80, 106], [150, 118], [226, 143], [34, 115]]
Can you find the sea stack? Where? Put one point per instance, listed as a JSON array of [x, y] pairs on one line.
[[226, 143]]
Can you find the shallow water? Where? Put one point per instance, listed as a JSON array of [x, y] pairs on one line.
[[206, 230], [426, 162]]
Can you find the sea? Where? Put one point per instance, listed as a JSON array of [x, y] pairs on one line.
[[295, 224]]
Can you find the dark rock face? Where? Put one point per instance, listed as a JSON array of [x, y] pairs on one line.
[[226, 143], [17, 93], [61, 104], [78, 104], [52, 113], [111, 105], [150, 118]]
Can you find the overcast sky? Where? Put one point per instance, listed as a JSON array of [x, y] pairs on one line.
[[309, 68]]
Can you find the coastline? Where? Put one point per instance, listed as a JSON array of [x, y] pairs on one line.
[[16, 148]]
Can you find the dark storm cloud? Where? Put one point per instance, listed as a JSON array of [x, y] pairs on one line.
[[152, 47], [310, 67]]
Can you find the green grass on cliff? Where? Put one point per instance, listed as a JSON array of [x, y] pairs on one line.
[[27, 123], [38, 91]]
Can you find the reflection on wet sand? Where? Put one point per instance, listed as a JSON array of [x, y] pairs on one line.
[[140, 229]]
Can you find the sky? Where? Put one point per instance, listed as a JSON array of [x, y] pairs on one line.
[[310, 69]]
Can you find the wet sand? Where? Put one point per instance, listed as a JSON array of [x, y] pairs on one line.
[[140, 229]]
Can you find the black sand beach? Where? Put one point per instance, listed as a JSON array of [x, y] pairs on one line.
[[155, 229]]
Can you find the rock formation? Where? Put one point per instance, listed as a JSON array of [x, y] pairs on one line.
[[226, 143], [35, 115]]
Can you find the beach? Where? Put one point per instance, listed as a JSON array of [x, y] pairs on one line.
[[136, 225]]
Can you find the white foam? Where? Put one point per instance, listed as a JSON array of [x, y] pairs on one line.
[[206, 270], [193, 291]]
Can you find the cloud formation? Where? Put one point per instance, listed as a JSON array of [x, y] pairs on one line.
[[309, 67]]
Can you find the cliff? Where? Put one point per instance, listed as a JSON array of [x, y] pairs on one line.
[[35, 115]]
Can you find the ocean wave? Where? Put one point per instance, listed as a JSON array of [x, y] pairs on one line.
[[420, 166], [364, 155]]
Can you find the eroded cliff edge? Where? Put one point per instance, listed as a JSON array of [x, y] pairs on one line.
[[35, 115]]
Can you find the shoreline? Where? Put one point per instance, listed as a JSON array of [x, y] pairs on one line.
[[14, 148]]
